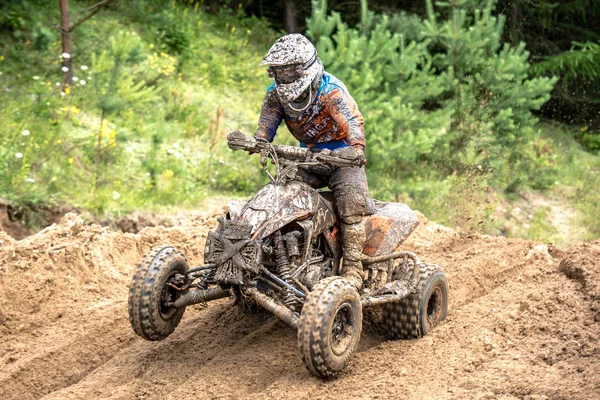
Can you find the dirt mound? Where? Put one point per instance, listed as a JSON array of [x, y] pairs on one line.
[[520, 326], [17, 223], [61, 297], [582, 264]]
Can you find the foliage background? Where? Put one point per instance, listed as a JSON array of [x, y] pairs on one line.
[[447, 89]]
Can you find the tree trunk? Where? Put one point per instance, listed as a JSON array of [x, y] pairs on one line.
[[67, 43], [289, 16]]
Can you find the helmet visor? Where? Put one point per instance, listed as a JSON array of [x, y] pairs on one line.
[[287, 74]]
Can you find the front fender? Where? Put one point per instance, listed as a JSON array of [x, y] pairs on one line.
[[275, 206]]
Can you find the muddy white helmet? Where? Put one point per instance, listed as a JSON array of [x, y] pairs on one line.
[[295, 66]]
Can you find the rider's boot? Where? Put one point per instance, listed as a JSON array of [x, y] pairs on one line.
[[353, 239]]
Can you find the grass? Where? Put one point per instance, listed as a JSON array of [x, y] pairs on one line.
[[566, 213]]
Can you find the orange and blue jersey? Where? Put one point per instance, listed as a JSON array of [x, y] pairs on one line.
[[332, 120]]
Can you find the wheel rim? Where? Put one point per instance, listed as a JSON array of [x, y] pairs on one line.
[[343, 329], [168, 294], [434, 306]]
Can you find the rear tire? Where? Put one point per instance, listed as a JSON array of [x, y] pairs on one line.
[[415, 316], [149, 315], [330, 326]]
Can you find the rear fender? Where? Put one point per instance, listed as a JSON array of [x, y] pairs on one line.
[[388, 227]]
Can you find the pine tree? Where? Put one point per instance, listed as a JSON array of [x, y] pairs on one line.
[[454, 96]]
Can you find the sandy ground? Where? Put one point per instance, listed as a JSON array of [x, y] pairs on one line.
[[524, 323]]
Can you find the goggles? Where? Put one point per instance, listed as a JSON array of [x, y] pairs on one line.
[[287, 74]]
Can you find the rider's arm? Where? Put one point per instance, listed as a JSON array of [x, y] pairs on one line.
[[271, 116], [344, 111]]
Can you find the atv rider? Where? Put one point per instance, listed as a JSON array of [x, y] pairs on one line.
[[321, 114]]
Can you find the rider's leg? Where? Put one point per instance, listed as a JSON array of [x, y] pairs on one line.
[[312, 177], [351, 194], [353, 239]]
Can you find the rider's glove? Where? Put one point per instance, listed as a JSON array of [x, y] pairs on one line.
[[351, 153], [238, 141]]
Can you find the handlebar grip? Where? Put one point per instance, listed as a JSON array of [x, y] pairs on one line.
[[238, 141]]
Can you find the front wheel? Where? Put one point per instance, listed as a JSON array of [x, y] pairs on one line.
[[329, 327], [151, 291]]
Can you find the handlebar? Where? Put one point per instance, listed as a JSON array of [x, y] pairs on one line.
[[238, 141]]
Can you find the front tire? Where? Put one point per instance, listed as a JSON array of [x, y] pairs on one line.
[[149, 292], [330, 326], [415, 316]]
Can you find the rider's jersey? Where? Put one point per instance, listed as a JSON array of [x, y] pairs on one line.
[[331, 121]]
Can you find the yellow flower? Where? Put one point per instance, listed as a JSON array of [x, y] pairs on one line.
[[112, 138], [70, 160], [167, 174], [104, 132], [1, 58]]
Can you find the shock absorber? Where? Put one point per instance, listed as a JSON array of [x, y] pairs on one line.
[[290, 299], [207, 278]]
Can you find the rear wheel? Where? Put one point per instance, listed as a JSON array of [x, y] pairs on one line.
[[415, 316], [151, 291], [330, 326]]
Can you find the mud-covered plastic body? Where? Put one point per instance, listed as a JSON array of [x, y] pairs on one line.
[[273, 207], [388, 227]]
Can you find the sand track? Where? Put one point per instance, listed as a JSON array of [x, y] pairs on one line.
[[524, 323]]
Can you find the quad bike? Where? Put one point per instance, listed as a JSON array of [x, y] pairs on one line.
[[281, 251]]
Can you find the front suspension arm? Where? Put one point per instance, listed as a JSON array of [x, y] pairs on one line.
[[199, 296], [279, 310]]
